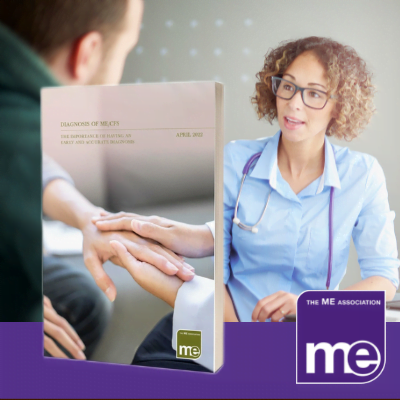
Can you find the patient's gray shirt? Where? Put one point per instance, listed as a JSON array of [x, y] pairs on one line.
[[51, 170]]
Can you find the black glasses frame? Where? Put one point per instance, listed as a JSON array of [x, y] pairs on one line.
[[298, 89]]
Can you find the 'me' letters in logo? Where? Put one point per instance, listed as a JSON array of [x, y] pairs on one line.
[[188, 344], [360, 358], [340, 341]]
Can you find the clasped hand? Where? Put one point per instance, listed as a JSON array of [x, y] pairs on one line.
[[97, 249]]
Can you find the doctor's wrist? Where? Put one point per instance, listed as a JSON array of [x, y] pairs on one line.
[[205, 240], [171, 291]]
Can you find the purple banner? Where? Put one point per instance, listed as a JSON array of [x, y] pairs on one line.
[[260, 362]]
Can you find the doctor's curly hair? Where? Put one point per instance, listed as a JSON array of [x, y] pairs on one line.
[[347, 75]]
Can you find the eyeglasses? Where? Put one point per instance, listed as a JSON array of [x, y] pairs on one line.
[[312, 98]]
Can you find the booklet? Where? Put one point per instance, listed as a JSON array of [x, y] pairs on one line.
[[154, 152]]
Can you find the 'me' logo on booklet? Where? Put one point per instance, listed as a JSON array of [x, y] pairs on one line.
[[341, 336], [188, 344]]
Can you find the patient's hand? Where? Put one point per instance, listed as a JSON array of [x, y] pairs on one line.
[[188, 240], [58, 328], [149, 278], [97, 250]]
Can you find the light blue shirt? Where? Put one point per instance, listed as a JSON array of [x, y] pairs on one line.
[[290, 250]]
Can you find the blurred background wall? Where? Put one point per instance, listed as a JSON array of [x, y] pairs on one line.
[[226, 40]]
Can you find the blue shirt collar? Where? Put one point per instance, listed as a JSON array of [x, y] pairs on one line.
[[330, 176], [267, 168]]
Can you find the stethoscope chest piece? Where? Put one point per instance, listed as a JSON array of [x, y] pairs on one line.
[[236, 221]]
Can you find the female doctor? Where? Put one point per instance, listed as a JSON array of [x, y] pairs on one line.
[[292, 202]]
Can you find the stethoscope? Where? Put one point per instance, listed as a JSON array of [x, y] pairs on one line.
[[254, 228]]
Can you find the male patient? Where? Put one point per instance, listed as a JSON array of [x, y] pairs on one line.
[[47, 43]]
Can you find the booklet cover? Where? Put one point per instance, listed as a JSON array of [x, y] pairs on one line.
[[151, 153]]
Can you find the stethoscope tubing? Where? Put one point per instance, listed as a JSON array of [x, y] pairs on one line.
[[330, 260], [236, 220]]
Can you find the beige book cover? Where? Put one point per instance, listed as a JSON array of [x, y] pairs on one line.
[[142, 155]]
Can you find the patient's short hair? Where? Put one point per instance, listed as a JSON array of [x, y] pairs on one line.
[[47, 25]]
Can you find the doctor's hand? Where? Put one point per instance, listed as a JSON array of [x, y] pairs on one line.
[[158, 284], [58, 328], [147, 276], [97, 250], [275, 306], [193, 241]]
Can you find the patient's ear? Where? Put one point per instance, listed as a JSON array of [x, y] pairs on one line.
[[85, 57]]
